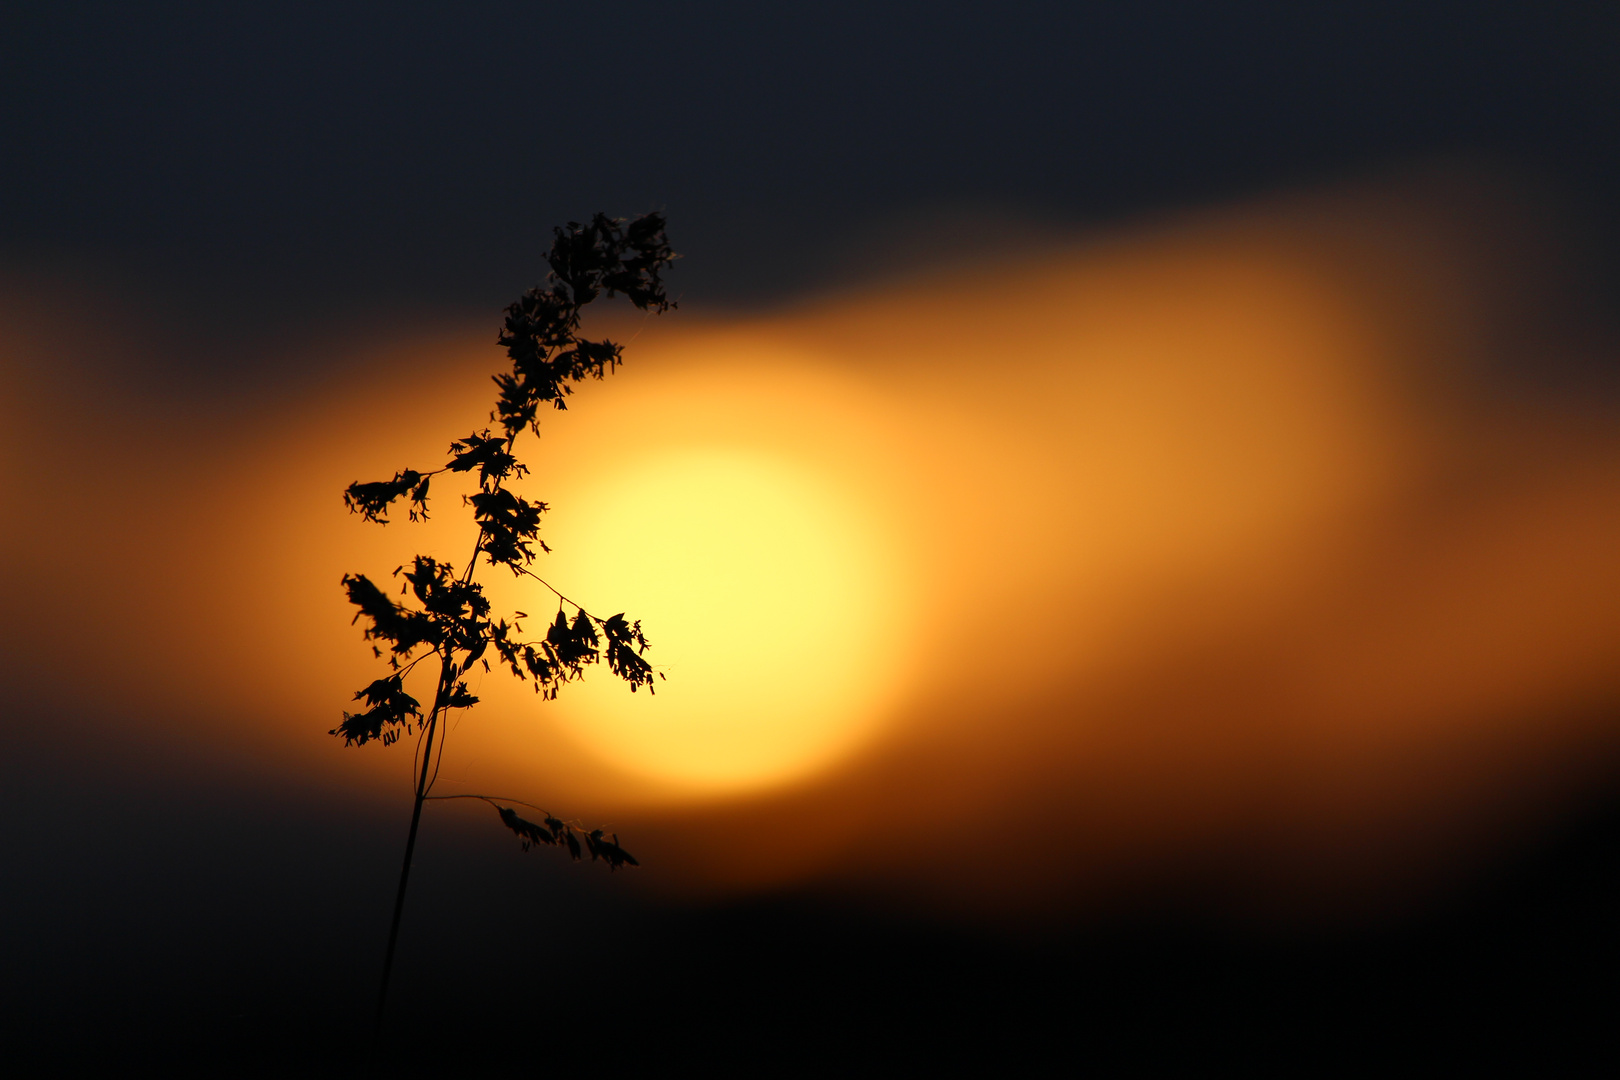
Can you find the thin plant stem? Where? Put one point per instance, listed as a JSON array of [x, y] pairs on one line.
[[410, 845]]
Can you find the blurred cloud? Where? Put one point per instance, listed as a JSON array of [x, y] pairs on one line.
[[1265, 554]]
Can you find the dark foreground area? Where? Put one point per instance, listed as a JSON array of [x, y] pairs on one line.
[[145, 934]]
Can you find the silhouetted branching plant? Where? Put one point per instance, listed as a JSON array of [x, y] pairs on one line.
[[450, 627]]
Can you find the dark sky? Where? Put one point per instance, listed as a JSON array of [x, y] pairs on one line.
[[254, 168], [333, 154]]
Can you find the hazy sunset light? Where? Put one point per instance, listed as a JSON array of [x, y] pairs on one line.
[[775, 614], [1217, 538], [1109, 513]]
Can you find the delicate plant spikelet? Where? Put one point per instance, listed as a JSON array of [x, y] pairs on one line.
[[444, 613]]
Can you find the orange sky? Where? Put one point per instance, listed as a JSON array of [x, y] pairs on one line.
[[1212, 551]]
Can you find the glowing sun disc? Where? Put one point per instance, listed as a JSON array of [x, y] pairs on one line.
[[762, 591]]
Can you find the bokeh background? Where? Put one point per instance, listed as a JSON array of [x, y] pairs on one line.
[[1126, 504]]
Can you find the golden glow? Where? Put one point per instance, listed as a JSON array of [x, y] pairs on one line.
[[1215, 545], [742, 503], [757, 582]]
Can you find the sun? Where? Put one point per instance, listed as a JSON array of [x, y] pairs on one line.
[[765, 594]]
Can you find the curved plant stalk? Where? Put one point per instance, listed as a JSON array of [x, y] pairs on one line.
[[451, 618]]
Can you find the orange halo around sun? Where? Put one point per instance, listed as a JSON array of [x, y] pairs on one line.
[[765, 577]]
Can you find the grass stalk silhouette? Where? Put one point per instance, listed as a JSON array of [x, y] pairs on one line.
[[451, 619]]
